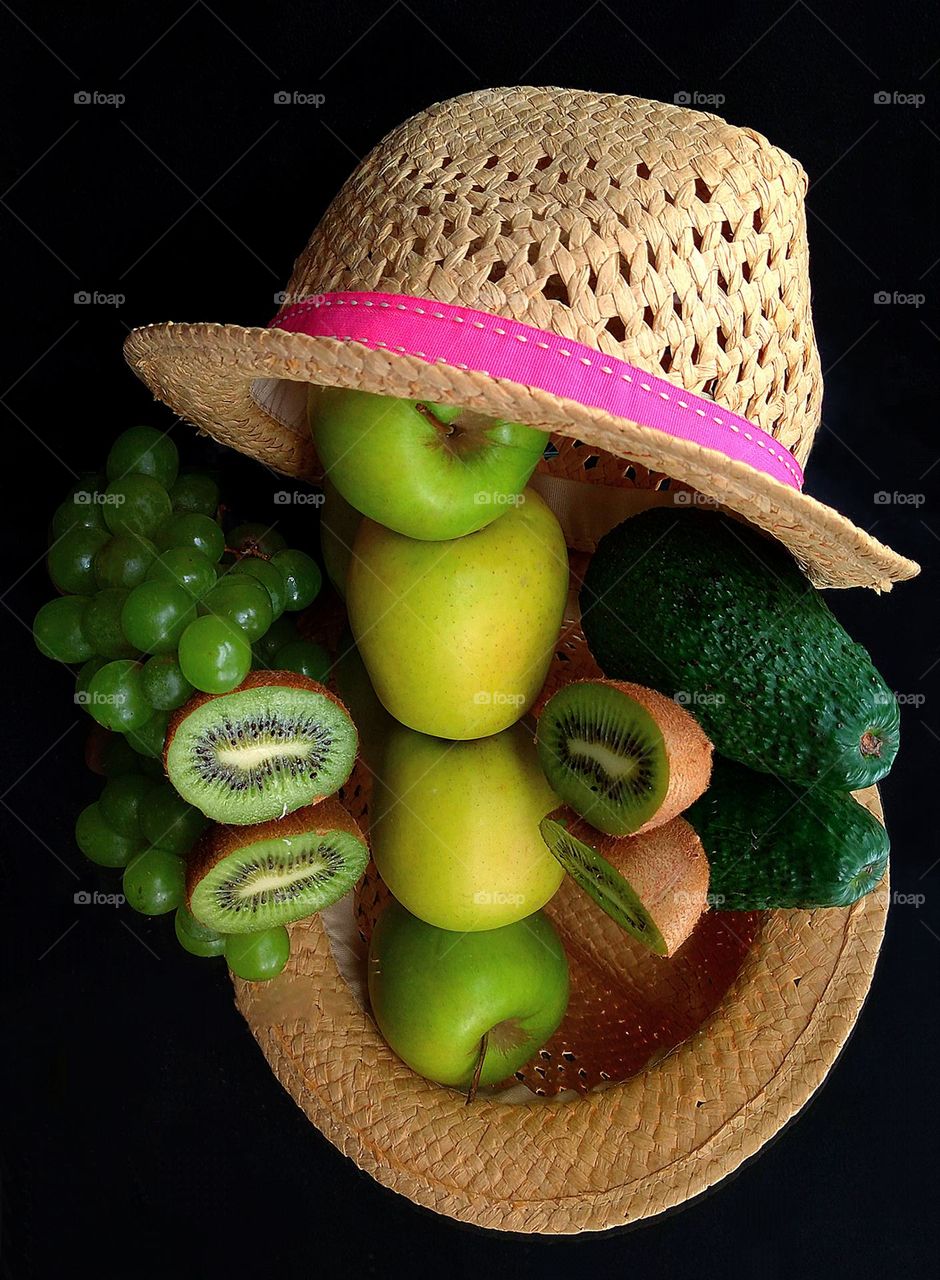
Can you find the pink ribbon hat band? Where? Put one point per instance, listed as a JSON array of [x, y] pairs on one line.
[[475, 340]]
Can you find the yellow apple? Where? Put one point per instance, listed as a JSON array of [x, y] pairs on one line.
[[455, 828], [457, 635]]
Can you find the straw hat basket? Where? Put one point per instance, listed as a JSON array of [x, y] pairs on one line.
[[663, 250], [674, 1072]]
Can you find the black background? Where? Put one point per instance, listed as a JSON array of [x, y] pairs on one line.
[[143, 1133]]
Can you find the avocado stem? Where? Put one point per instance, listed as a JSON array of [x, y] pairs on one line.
[[477, 1070], [871, 744]]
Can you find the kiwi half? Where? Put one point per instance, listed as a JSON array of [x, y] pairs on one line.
[[277, 742], [654, 885], [242, 879], [623, 757]]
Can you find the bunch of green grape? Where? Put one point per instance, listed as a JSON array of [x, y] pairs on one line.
[[140, 826], [157, 602]]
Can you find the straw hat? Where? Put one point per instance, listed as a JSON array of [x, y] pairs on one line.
[[632, 277], [629, 275]]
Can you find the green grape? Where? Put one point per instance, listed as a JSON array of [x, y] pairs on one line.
[[164, 683], [116, 697], [83, 679], [57, 630], [301, 576], [148, 739], [269, 577], [215, 654], [155, 616], [71, 560], [187, 567], [79, 508], [155, 882], [258, 956], [239, 599], [144, 451], [136, 504], [280, 633], [70, 515], [194, 491], [152, 766], [119, 803], [193, 530], [86, 486], [305, 657], [124, 561], [197, 938], [101, 623], [257, 536], [168, 821], [118, 757], [100, 842]]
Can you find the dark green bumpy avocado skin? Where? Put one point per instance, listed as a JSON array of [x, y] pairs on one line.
[[772, 845], [703, 608]]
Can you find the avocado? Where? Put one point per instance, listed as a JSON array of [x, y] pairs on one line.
[[719, 617], [770, 844]]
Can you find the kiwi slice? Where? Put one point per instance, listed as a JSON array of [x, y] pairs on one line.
[[242, 879], [623, 757], [277, 742], [654, 885]]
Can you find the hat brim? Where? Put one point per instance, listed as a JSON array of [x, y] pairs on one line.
[[224, 379], [626, 1152]]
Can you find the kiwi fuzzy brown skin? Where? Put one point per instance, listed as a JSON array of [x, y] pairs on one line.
[[688, 750], [220, 840], [665, 867]]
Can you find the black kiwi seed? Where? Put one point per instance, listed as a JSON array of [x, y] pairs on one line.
[[227, 894], [261, 730], [245, 878], [603, 754], [585, 866], [623, 742], [261, 751]]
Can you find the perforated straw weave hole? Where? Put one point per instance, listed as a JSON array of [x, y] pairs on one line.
[[645, 230]]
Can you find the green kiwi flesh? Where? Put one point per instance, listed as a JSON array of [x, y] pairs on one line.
[[261, 752], [604, 756], [612, 893], [277, 880]]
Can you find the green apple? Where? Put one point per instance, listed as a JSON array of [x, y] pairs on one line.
[[338, 524], [436, 994], [455, 828], [457, 636], [430, 471]]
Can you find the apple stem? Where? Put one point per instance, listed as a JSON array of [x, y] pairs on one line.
[[444, 428], [475, 1082]]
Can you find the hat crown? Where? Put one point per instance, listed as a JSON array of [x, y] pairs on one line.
[[651, 232]]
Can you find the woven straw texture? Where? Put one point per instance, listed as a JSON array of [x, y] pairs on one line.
[[611, 1157], [651, 232], [713, 1051]]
